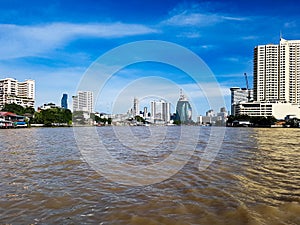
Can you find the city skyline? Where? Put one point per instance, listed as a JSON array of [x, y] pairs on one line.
[[54, 43]]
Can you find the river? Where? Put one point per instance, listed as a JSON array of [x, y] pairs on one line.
[[254, 179]]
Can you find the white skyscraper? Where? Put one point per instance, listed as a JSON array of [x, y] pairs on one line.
[[21, 93], [289, 71], [160, 111], [136, 107], [277, 72], [83, 101], [276, 81]]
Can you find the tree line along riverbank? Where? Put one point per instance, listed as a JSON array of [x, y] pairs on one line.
[[14, 114], [261, 121]]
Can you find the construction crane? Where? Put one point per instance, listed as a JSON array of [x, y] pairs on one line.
[[247, 86]]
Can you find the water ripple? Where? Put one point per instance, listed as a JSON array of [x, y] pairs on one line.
[[255, 179]]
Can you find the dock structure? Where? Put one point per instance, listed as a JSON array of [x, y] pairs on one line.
[[12, 120]]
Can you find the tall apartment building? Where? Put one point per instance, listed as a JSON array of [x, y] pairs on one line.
[[83, 101], [26, 89], [13, 91], [136, 107], [276, 83], [160, 111], [277, 72]]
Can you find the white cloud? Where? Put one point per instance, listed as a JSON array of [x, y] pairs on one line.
[[187, 18], [231, 59], [207, 46], [189, 35], [250, 37], [19, 41], [291, 24]]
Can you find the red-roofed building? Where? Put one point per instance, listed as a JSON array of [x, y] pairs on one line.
[[9, 119]]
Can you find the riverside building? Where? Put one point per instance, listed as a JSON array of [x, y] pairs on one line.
[[160, 111], [239, 95], [83, 101], [277, 72], [212, 118], [20, 93], [276, 81]]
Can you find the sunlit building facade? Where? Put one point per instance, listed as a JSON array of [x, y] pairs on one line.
[[20, 93], [83, 101], [277, 72], [160, 111], [276, 81], [239, 95]]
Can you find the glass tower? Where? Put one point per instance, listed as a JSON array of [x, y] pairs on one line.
[[183, 109], [64, 101]]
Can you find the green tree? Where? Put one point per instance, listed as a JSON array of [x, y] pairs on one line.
[[263, 121], [140, 119], [29, 110], [293, 122], [14, 108], [55, 115], [177, 122], [259, 121], [37, 118]]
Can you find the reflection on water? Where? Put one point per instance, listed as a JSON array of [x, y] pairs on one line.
[[255, 179]]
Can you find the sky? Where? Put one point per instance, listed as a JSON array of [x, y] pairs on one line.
[[56, 42]]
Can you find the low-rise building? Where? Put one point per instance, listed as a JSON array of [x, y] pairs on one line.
[[212, 118], [239, 95], [277, 109], [48, 106], [10, 120]]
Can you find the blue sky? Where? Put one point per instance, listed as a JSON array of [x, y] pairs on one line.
[[55, 42]]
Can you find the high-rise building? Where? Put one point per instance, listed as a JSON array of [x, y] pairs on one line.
[[26, 89], [145, 113], [160, 111], [21, 93], [276, 83], [83, 101], [183, 109], [64, 101], [277, 72], [136, 107], [239, 95]]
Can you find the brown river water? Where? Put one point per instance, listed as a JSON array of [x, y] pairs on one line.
[[254, 179]]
